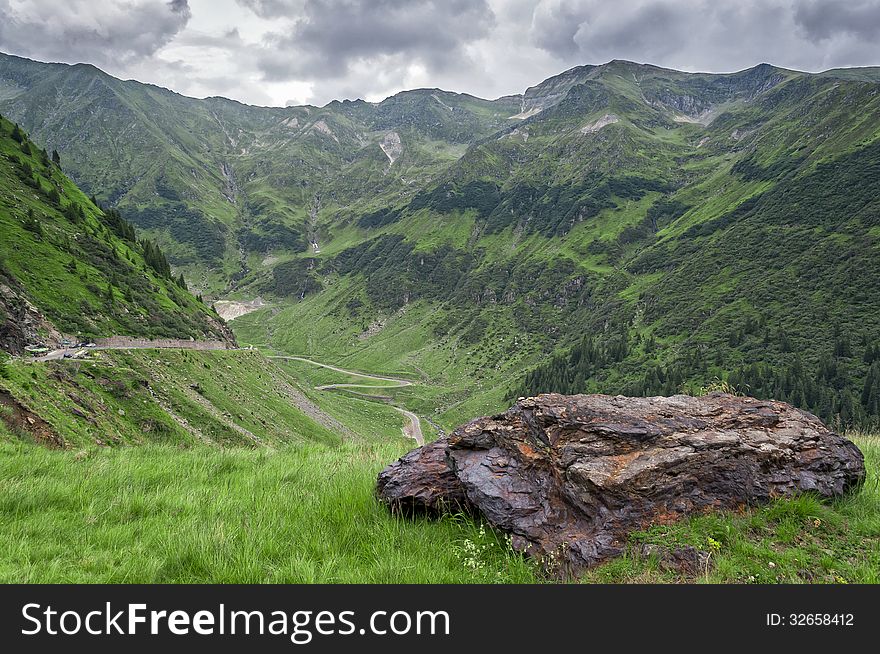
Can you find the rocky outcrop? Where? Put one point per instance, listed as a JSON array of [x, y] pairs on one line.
[[21, 323], [24, 422], [232, 309], [422, 480], [570, 476], [596, 125]]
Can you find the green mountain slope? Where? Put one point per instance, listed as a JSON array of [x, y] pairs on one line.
[[69, 268], [162, 397], [219, 184], [619, 228], [645, 231]]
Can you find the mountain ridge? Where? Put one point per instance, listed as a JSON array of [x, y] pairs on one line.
[[635, 209], [868, 70]]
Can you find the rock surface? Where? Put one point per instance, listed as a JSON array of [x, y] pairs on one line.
[[422, 481], [570, 476], [22, 323]]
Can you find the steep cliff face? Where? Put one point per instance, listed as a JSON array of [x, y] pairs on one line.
[[552, 91]]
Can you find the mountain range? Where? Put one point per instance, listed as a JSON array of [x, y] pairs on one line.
[[619, 228]]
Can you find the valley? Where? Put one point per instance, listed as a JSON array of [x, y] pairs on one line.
[[373, 384], [333, 285], [693, 227]]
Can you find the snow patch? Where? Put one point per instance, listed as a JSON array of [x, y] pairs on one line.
[[391, 146], [522, 115], [324, 128], [434, 95], [604, 121]]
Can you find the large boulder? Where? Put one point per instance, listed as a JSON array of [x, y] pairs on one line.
[[570, 476], [422, 481]]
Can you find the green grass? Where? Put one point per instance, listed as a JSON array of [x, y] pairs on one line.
[[800, 540], [307, 513], [320, 376], [227, 398], [359, 408], [299, 515]]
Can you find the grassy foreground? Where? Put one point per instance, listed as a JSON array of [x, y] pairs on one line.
[[306, 513]]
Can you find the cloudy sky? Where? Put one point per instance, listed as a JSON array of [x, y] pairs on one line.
[[277, 52]]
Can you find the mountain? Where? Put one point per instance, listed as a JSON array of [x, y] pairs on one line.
[[219, 183], [69, 268], [615, 228]]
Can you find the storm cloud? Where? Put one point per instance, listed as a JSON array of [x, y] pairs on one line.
[[298, 51], [712, 36], [89, 31], [331, 35], [823, 20]]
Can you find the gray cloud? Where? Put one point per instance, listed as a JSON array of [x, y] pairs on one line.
[[269, 51], [273, 8], [824, 20], [707, 35], [556, 25], [85, 30], [330, 35]]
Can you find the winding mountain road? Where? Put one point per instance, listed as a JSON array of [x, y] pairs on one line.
[[411, 430]]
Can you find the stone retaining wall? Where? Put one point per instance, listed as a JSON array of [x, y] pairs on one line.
[[129, 342]]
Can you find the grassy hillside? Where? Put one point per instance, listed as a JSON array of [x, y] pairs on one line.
[[646, 231], [81, 267], [306, 513], [176, 397]]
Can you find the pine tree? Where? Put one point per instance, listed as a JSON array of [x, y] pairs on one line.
[[56, 158], [154, 258], [871, 389], [17, 134], [73, 213], [32, 224]]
